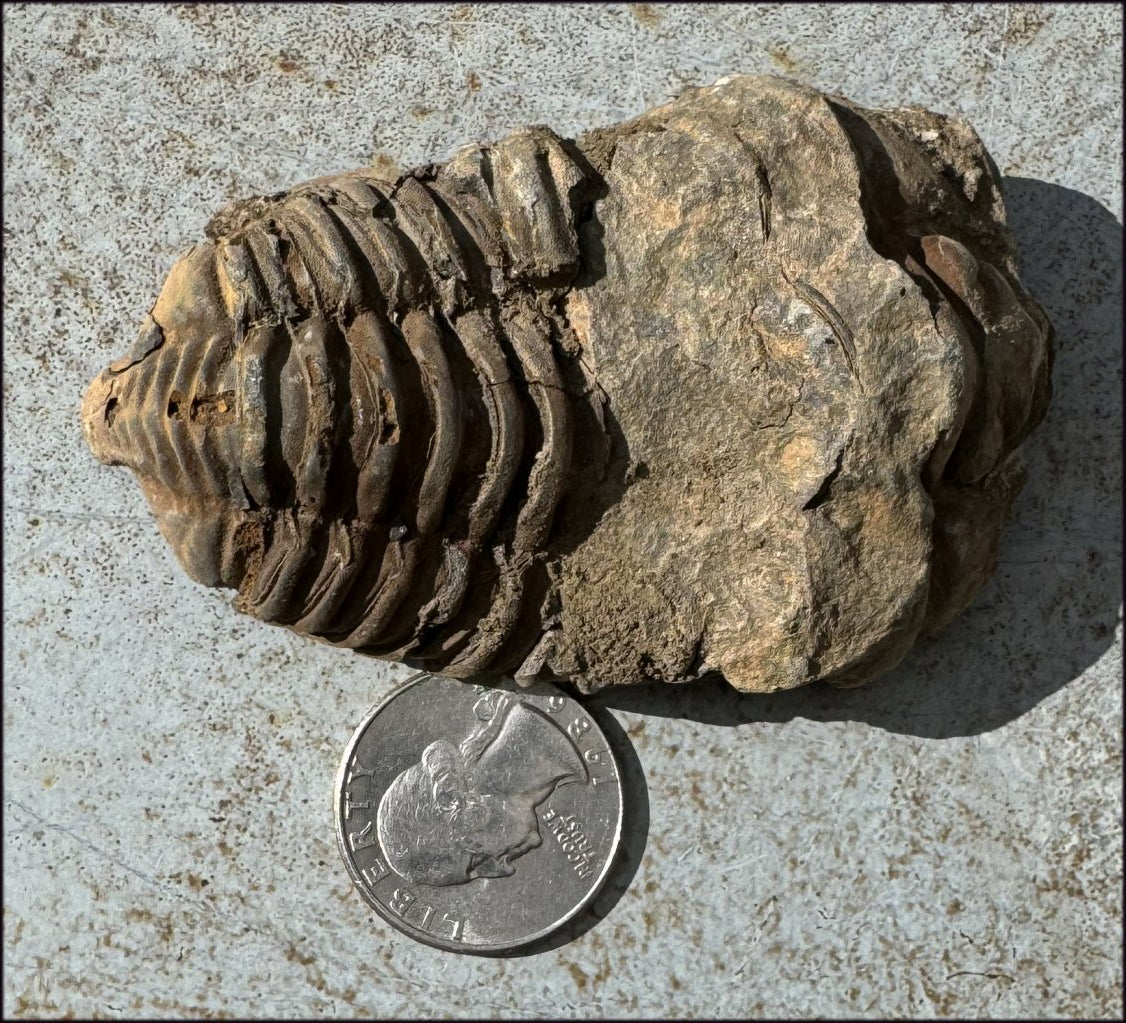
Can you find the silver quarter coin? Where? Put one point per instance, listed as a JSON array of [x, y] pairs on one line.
[[476, 819]]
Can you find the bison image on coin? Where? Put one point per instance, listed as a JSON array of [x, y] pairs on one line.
[[474, 819]]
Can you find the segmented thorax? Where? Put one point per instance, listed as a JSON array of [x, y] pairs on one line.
[[356, 404]]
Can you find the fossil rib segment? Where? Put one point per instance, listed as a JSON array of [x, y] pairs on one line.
[[349, 403]]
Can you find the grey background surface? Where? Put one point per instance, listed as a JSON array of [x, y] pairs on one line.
[[946, 842]]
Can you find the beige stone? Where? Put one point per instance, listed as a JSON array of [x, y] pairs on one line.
[[739, 385]]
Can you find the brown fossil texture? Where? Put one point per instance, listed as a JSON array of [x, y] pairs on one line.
[[739, 385]]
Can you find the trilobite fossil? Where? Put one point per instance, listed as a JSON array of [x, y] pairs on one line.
[[738, 385]]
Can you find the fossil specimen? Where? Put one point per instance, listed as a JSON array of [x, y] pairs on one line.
[[737, 385]]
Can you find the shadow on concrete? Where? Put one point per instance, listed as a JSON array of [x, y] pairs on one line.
[[1051, 609]]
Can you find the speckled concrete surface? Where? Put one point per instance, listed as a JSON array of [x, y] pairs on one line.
[[947, 842]]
